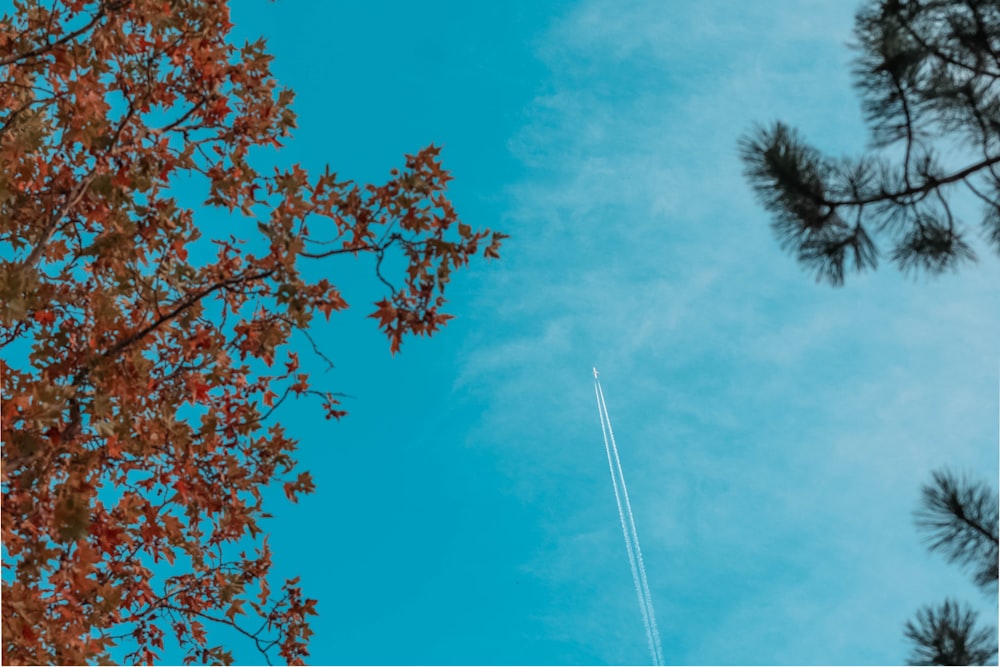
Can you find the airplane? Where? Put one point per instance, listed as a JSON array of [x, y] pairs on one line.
[[595, 373]]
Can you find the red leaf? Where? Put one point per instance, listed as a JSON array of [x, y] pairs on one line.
[[386, 313], [44, 316], [179, 249]]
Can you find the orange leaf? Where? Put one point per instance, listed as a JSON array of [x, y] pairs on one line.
[[179, 249], [235, 608], [386, 313]]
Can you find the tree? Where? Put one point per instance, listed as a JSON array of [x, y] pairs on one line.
[[961, 519], [928, 73], [138, 436]]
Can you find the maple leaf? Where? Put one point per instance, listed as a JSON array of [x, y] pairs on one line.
[[235, 608], [386, 313]]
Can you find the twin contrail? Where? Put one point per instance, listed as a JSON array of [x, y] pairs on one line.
[[628, 529]]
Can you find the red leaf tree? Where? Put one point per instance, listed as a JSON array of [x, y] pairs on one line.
[[136, 431]]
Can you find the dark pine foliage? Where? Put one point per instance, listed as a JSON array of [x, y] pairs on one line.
[[960, 519], [928, 73], [947, 635]]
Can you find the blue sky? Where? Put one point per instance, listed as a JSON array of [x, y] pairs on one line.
[[774, 432]]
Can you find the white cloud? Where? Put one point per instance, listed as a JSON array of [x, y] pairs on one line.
[[774, 432]]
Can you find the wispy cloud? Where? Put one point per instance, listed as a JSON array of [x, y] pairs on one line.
[[775, 432]]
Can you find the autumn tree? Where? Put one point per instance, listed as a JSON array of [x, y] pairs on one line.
[[928, 72], [142, 363], [961, 519]]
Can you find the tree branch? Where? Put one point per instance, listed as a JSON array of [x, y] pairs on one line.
[[925, 188], [180, 308], [935, 50], [51, 45], [81, 190]]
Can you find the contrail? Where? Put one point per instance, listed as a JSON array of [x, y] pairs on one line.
[[625, 534], [635, 537], [634, 555]]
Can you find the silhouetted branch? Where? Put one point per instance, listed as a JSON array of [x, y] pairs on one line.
[[947, 635], [961, 520]]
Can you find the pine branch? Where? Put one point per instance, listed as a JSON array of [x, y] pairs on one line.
[[948, 635], [961, 521], [925, 80]]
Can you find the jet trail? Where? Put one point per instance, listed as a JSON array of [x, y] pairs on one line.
[[625, 534], [629, 531]]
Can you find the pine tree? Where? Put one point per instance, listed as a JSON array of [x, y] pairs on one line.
[[928, 73], [960, 519]]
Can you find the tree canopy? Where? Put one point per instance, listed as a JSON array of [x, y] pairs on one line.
[[927, 72], [142, 363]]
